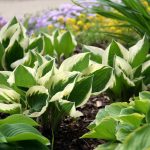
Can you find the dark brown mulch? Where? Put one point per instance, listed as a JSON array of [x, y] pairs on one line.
[[70, 131]]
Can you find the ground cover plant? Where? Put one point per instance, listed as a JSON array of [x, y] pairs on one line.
[[123, 125]]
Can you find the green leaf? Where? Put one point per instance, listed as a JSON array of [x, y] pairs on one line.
[[1, 55], [139, 52], [115, 108], [107, 146], [16, 119], [114, 49], [134, 119], [144, 95], [96, 53], [101, 77], [67, 43], [61, 84], [10, 55], [48, 45], [21, 132], [60, 109], [45, 72], [10, 108], [4, 75], [78, 62], [123, 65], [8, 95], [138, 139], [36, 43], [105, 130], [142, 106], [84, 88], [23, 77]]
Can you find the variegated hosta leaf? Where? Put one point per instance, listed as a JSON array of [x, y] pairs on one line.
[[23, 77], [13, 53], [7, 31], [138, 53], [114, 49], [101, 77], [146, 72], [123, 65], [10, 108], [4, 75], [48, 45], [78, 62], [45, 72], [96, 53], [9, 100], [36, 43], [8, 95], [61, 84], [37, 100], [81, 91], [66, 43], [2, 50], [29, 60], [60, 109]]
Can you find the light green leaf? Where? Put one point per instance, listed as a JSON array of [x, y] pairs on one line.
[[105, 130], [138, 139], [144, 95], [21, 132], [16, 119]]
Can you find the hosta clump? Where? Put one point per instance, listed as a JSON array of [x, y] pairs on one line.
[[17, 48], [18, 132], [130, 67], [56, 45], [124, 126], [51, 92]]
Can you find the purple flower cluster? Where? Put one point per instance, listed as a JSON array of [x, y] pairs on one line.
[[2, 21], [48, 17]]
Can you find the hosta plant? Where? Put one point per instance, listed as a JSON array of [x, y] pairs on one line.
[[122, 125], [49, 92], [18, 132], [130, 67], [17, 48]]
